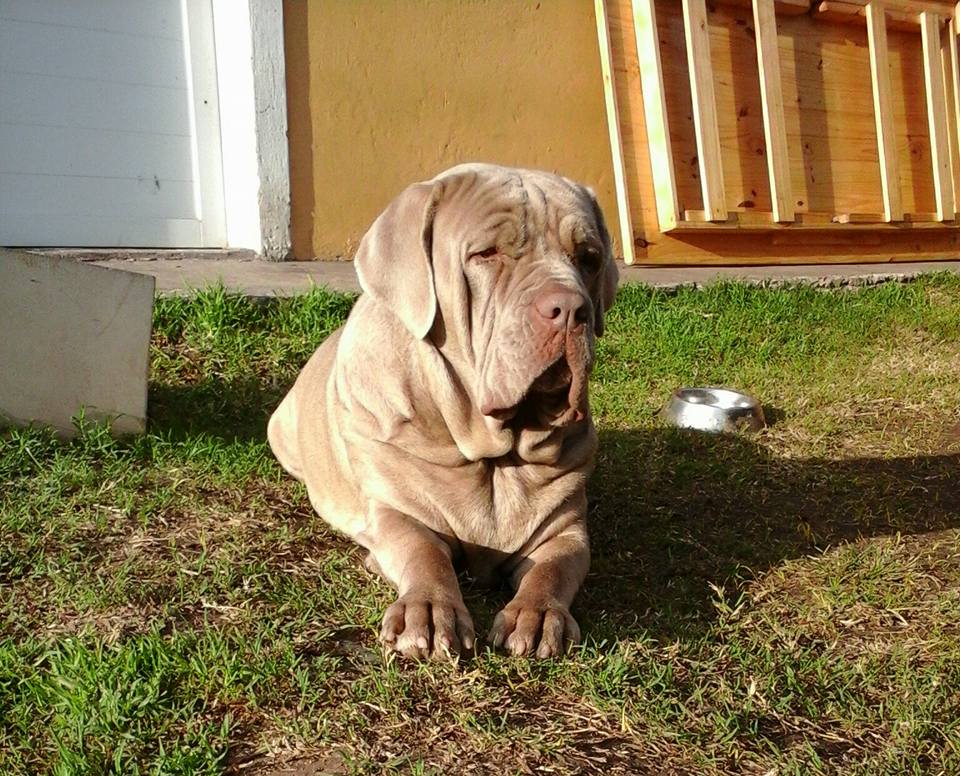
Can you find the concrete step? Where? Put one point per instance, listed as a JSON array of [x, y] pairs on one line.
[[266, 278]]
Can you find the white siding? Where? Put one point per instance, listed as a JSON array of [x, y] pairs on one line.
[[109, 132]]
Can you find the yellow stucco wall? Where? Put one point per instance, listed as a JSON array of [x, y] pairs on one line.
[[382, 93]]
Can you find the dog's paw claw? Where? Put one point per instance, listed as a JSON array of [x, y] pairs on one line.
[[421, 627], [531, 629]]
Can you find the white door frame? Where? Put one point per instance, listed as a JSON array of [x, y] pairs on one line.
[[205, 129], [251, 78]]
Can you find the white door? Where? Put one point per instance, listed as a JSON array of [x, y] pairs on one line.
[[109, 126]]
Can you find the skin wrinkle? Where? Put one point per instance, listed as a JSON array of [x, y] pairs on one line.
[[524, 203], [491, 325], [468, 318], [486, 317], [488, 320], [500, 496], [540, 215]]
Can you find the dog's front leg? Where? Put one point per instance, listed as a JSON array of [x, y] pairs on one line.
[[429, 617], [538, 618]]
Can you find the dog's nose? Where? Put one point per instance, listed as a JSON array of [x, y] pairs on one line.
[[562, 307]]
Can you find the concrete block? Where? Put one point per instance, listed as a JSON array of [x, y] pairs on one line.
[[73, 336]]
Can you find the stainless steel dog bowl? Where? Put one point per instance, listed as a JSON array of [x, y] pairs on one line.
[[714, 409]]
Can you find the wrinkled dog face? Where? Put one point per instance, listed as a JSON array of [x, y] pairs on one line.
[[510, 273], [536, 275]]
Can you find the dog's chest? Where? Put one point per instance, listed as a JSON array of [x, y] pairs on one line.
[[500, 505]]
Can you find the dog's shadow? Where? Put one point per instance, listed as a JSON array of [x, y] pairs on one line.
[[672, 512]]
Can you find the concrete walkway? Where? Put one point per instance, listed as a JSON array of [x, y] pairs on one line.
[[264, 278]]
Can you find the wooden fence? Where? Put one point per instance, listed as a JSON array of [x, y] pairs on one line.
[[759, 131]]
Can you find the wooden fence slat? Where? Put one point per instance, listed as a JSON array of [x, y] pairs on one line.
[[937, 116], [771, 96], [655, 113], [883, 112], [783, 7], [613, 127], [704, 107], [951, 75], [900, 16]]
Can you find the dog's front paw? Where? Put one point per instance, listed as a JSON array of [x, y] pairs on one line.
[[531, 627], [423, 625]]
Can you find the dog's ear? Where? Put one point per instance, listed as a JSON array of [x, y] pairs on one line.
[[609, 275], [608, 291], [394, 262]]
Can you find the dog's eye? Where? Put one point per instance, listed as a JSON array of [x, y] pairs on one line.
[[486, 255], [588, 260]]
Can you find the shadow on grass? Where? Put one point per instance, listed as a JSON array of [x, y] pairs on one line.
[[231, 409], [672, 512]]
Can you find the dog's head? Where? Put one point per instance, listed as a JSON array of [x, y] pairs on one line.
[[509, 272]]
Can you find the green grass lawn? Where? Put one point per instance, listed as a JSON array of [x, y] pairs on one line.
[[787, 603]]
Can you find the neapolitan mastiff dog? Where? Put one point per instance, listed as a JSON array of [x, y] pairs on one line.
[[446, 424]]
